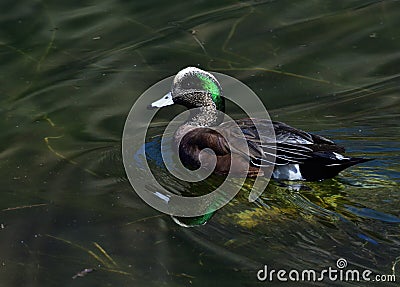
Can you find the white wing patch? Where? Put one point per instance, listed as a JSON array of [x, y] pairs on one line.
[[287, 172], [339, 156]]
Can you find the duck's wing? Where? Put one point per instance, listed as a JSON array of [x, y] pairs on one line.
[[291, 145]]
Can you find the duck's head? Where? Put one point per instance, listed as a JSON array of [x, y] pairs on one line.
[[193, 88]]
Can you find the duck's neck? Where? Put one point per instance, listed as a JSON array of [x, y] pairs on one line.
[[205, 116]]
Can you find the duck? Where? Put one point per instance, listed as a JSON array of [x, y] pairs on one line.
[[297, 154]]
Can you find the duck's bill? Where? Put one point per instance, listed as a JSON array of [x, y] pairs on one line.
[[163, 102]]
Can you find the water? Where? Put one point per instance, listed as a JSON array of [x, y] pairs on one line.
[[70, 73]]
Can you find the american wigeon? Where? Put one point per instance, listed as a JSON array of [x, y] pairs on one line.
[[297, 155]]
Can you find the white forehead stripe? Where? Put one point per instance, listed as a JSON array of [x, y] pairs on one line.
[[191, 71]]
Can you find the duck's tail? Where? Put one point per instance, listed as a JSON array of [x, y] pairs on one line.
[[327, 165]]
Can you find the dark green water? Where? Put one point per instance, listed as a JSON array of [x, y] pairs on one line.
[[70, 73]]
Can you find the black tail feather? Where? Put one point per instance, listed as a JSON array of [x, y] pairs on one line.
[[327, 167]]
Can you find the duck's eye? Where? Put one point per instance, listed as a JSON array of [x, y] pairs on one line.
[[166, 97]]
